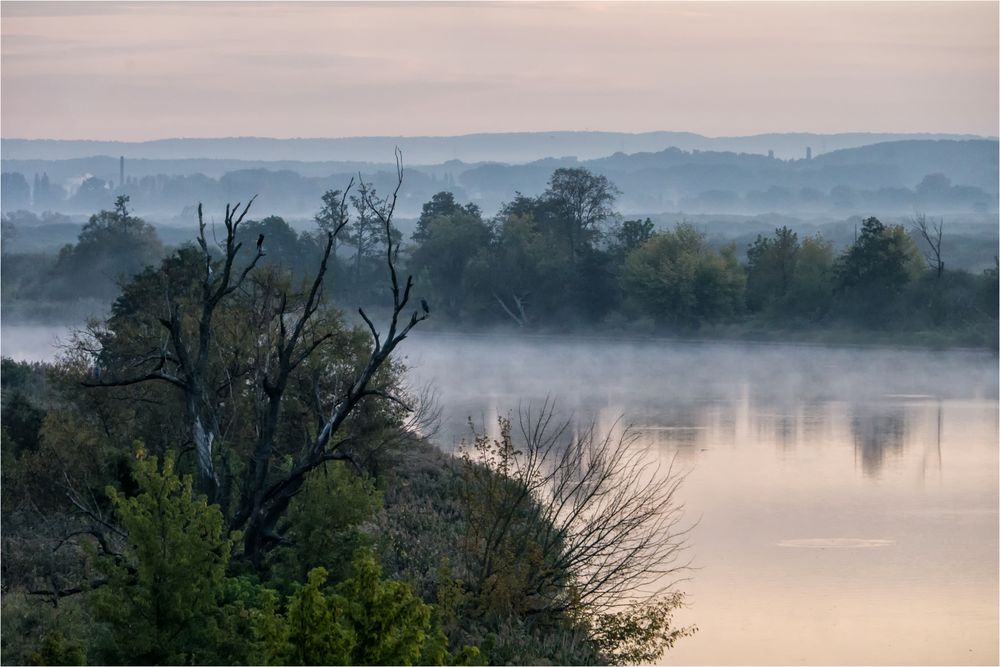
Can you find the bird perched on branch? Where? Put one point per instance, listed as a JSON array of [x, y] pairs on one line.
[[260, 243], [427, 309]]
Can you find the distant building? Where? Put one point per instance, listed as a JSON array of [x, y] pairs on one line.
[[121, 171], [770, 154], [809, 152]]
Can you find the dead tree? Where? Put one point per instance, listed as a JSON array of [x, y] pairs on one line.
[[520, 317], [260, 514], [930, 231], [189, 355], [289, 335]]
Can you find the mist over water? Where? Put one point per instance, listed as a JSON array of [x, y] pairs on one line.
[[845, 498]]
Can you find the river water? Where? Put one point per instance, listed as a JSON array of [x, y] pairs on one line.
[[844, 501]]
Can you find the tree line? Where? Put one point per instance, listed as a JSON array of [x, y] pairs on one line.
[[565, 259]]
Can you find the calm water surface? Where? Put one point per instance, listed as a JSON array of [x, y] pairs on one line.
[[846, 499]]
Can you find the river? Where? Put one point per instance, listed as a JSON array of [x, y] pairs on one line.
[[844, 501]]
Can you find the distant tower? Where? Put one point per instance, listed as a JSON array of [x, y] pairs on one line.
[[121, 171], [770, 154], [809, 152]]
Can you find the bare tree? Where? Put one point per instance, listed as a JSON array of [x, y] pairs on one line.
[[189, 355], [930, 231], [575, 522]]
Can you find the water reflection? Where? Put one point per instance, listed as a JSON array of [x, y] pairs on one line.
[[879, 431]]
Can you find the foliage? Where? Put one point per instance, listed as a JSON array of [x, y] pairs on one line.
[[872, 273], [581, 201], [317, 632], [283, 247], [112, 244], [641, 633], [162, 594], [675, 277], [631, 234], [789, 278], [36, 632], [325, 524], [449, 243], [562, 528], [441, 205], [365, 620]]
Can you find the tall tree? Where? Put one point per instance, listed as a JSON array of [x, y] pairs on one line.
[[582, 201], [440, 205], [771, 263], [871, 273], [113, 246], [248, 357]]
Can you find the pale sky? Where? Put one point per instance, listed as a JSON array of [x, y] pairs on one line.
[[137, 71]]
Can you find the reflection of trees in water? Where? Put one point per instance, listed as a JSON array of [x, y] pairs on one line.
[[775, 421], [879, 431]]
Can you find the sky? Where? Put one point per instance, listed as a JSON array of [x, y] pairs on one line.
[[140, 71]]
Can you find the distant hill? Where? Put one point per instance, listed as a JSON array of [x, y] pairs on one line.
[[518, 147], [878, 179]]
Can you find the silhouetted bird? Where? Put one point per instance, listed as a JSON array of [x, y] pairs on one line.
[[260, 242], [423, 304]]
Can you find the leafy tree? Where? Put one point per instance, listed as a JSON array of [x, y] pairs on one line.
[[391, 625], [324, 523], [676, 277], [771, 264], [163, 592], [873, 271], [639, 634], [582, 201], [365, 620], [36, 632], [631, 234], [22, 425], [812, 284], [47, 195], [111, 245], [934, 188], [449, 243], [442, 204], [318, 633], [281, 245]]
